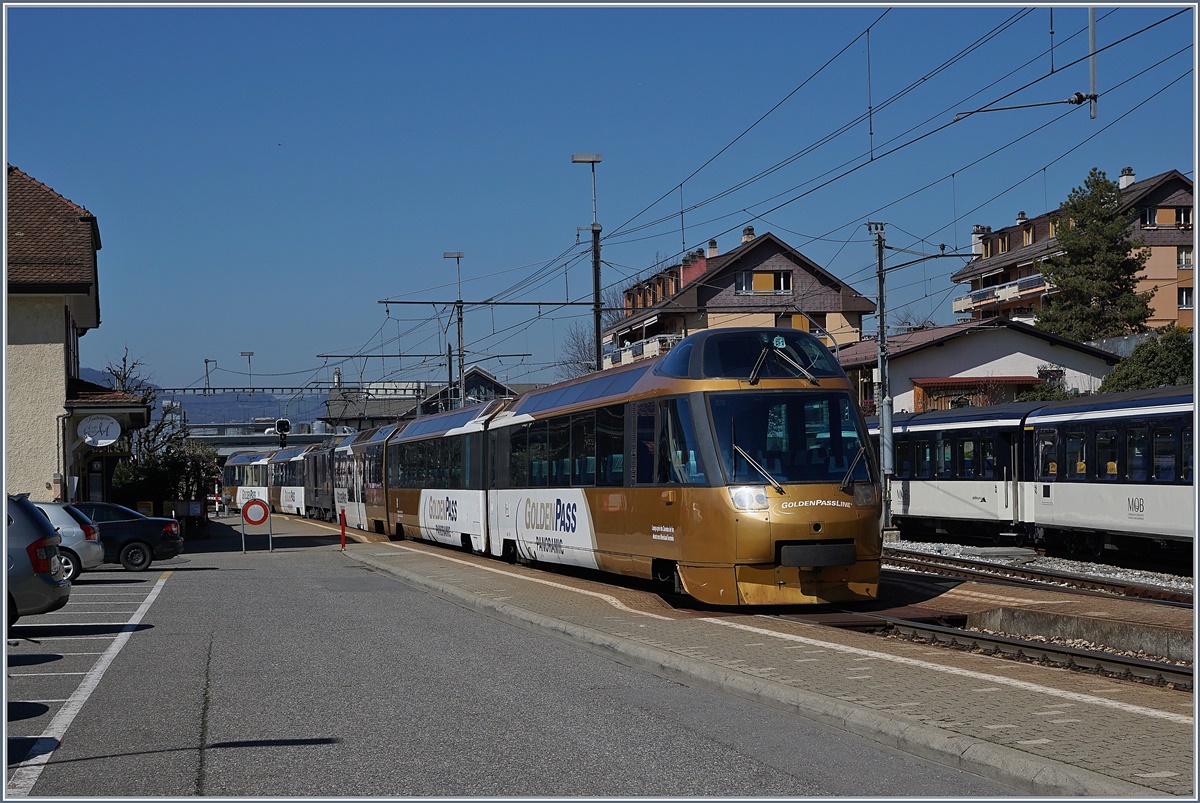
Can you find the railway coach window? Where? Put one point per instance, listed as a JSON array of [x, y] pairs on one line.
[[921, 458], [943, 464], [1187, 455], [518, 456], [1047, 451], [583, 449], [1075, 467], [903, 458], [966, 458], [610, 445], [1106, 454], [1137, 449], [1164, 455]]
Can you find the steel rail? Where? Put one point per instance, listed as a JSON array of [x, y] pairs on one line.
[[973, 569]]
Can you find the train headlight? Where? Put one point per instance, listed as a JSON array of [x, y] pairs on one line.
[[749, 497], [865, 494]]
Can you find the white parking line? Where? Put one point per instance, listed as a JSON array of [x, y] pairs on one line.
[[28, 771]]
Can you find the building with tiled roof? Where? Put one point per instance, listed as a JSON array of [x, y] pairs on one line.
[[761, 282], [54, 419], [1006, 276], [977, 362]]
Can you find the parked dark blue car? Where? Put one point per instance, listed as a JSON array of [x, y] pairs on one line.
[[131, 539]]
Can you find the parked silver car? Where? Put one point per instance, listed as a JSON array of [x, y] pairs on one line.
[[80, 549], [36, 583]]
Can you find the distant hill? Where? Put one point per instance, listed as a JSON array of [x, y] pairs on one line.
[[223, 408]]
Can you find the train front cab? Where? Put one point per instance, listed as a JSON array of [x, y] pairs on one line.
[[745, 490]]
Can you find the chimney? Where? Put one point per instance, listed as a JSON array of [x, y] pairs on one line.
[[977, 235], [1021, 219], [747, 234], [1127, 177], [712, 248]]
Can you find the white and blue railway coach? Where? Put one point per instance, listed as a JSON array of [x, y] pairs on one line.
[[1111, 471]]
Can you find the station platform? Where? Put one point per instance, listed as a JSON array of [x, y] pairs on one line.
[[1048, 730]]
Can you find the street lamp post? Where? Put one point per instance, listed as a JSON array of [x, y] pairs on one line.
[[249, 370], [458, 306], [592, 159], [207, 386]]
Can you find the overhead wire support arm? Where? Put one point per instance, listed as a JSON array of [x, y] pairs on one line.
[[1076, 100]]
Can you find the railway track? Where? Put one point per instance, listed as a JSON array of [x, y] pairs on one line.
[[981, 570], [1111, 664]]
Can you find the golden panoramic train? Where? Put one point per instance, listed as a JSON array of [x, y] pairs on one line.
[[735, 468]]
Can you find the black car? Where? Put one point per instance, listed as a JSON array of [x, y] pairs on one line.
[[131, 539]]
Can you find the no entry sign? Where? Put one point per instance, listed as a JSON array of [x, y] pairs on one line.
[[255, 512]]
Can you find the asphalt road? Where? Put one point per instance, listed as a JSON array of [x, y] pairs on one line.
[[299, 672]]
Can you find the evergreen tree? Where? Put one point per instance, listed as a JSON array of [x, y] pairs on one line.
[[1163, 359], [1096, 273]]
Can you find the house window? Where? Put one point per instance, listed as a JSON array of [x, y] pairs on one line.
[[987, 248], [743, 283], [1150, 218], [1186, 297], [783, 282], [1183, 217], [1028, 236], [1187, 257], [1002, 242], [1053, 228]]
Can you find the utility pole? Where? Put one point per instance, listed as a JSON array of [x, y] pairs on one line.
[[458, 306], [883, 393], [592, 159]]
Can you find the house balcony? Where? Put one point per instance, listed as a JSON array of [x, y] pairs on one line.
[[1018, 293], [650, 347]]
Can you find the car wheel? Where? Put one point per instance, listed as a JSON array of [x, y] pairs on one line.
[[70, 564], [136, 557]]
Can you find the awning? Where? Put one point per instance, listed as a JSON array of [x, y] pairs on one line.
[[973, 381]]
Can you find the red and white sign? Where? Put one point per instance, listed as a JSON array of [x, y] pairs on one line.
[[255, 512]]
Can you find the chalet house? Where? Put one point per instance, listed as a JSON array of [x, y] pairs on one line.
[[762, 282], [63, 433], [973, 363], [1006, 276]]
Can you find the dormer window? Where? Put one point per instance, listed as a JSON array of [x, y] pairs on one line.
[[1183, 217], [1150, 217], [1027, 236], [1002, 243]]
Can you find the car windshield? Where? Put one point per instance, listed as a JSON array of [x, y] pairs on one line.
[[792, 436]]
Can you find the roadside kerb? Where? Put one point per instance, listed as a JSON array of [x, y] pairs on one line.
[[1037, 774]]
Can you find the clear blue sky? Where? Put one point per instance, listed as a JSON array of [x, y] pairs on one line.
[[263, 177]]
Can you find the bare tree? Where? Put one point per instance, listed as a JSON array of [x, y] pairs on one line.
[[577, 346]]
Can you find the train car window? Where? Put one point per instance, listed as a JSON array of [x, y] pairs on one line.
[[1047, 451], [518, 456], [943, 459], [1164, 455], [1106, 454], [1186, 443], [987, 457], [456, 465], [903, 458], [1075, 467], [539, 469], [560, 451], [682, 451], [1137, 450], [967, 465], [610, 445], [922, 457], [820, 430], [734, 355], [678, 361], [644, 444], [583, 448]]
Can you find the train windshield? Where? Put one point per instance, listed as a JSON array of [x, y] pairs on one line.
[[774, 438]]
